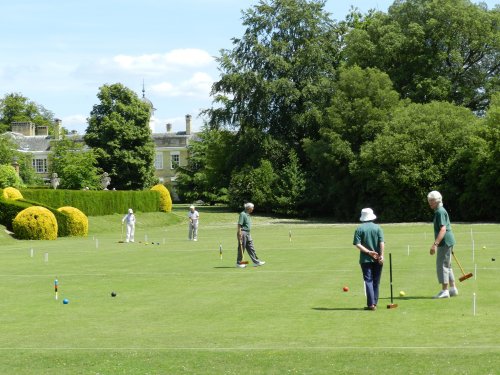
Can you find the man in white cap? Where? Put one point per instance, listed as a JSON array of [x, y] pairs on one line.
[[129, 218], [369, 240], [193, 217]]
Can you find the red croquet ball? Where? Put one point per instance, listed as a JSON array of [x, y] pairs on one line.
[[345, 289]]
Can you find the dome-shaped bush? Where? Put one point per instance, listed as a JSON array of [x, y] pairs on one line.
[[12, 193], [77, 223], [35, 223], [165, 199]]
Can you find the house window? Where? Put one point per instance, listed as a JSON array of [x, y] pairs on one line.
[[40, 165], [174, 160], [159, 160]]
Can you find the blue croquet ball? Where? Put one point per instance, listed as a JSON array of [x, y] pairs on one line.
[[65, 301]]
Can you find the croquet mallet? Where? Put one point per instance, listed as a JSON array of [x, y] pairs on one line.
[[392, 305], [464, 275], [242, 251]]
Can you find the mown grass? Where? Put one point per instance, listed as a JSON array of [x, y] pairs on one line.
[[180, 309]]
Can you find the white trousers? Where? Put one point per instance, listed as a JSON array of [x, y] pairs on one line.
[[130, 232]]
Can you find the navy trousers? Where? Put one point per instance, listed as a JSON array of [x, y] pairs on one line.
[[372, 273]]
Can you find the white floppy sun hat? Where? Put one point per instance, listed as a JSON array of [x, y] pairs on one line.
[[367, 215]]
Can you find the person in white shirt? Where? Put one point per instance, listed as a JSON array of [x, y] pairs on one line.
[[129, 218], [194, 217]]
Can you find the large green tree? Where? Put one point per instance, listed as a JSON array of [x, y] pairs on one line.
[[118, 131], [278, 77], [411, 157], [206, 176], [360, 109], [10, 155], [16, 107], [447, 50], [75, 166], [474, 177]]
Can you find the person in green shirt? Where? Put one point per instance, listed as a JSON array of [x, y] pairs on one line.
[[245, 239], [444, 240], [369, 240]]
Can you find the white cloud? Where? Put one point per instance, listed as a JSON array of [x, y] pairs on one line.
[[75, 122], [198, 85], [160, 63]]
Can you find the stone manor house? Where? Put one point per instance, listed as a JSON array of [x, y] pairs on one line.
[[171, 148]]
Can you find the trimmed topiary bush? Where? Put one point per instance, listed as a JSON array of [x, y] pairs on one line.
[[77, 223], [165, 199], [12, 193], [35, 223]]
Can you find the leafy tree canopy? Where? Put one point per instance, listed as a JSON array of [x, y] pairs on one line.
[[279, 75], [118, 131], [432, 50], [75, 166], [15, 107]]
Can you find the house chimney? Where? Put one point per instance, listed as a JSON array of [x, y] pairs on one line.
[[188, 124], [57, 128], [169, 127]]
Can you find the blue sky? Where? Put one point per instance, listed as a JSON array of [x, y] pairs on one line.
[[59, 52]]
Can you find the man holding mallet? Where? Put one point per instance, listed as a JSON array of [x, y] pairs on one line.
[[443, 245], [245, 239]]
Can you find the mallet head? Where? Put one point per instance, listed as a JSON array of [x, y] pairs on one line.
[[465, 277], [392, 305]]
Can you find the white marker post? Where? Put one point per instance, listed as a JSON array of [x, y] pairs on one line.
[[475, 271], [474, 304], [46, 257], [145, 238], [96, 243], [408, 250], [31, 252]]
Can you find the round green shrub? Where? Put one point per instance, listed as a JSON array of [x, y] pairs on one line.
[[12, 193], [165, 199], [35, 223], [77, 223]]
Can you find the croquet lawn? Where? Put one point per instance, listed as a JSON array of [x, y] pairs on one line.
[[183, 308]]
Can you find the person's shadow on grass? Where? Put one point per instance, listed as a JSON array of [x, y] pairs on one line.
[[338, 308]]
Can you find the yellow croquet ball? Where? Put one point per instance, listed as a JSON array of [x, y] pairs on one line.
[[402, 293]]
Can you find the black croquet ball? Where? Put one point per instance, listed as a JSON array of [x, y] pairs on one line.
[[113, 294]]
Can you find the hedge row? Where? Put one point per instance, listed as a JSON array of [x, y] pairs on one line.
[[96, 203]]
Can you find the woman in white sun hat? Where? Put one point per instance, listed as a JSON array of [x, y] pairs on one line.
[[369, 240], [443, 245]]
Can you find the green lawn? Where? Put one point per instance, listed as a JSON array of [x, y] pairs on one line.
[[180, 309]]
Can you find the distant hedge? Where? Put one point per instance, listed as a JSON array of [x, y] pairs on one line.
[[96, 203]]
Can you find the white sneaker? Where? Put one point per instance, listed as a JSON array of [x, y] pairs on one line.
[[453, 292], [259, 263], [239, 265], [443, 294]]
